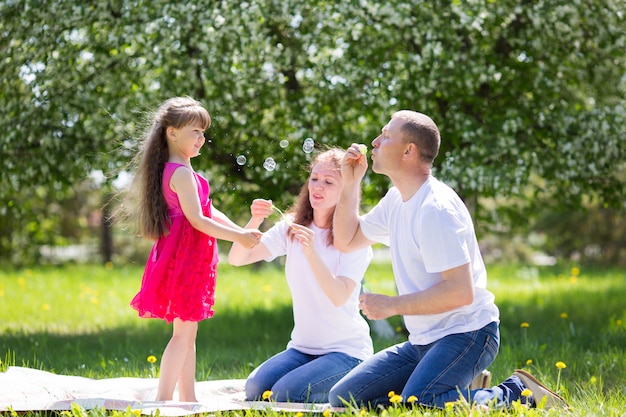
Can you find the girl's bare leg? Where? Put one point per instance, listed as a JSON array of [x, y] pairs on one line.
[[187, 378], [175, 357]]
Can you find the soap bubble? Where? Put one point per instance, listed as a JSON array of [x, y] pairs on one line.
[[308, 145], [283, 143], [269, 164], [241, 160]]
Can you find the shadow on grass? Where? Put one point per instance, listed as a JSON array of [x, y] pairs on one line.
[[228, 345]]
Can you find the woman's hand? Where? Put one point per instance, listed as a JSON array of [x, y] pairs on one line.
[[305, 236], [261, 209]]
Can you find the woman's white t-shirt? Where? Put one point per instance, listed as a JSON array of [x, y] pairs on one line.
[[319, 326], [428, 234]]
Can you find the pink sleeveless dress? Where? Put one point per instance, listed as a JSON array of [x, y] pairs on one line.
[[179, 278]]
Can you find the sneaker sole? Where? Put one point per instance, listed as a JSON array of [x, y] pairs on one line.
[[540, 391]]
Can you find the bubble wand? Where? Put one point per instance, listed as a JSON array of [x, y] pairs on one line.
[[282, 215]]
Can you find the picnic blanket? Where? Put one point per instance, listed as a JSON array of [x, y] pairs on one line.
[[26, 389]]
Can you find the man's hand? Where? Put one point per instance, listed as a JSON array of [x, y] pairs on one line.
[[354, 164], [376, 306]]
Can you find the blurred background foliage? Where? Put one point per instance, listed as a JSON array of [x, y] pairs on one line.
[[529, 96]]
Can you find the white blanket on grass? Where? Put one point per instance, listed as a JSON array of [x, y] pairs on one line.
[[26, 389]]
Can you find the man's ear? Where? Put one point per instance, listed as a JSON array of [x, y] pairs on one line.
[[411, 148]]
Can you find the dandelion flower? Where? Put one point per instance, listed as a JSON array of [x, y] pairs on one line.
[[136, 411], [524, 325], [561, 365], [267, 395], [391, 394], [411, 399], [326, 412], [151, 359], [575, 271], [299, 414], [527, 393], [395, 399], [529, 362], [563, 315]]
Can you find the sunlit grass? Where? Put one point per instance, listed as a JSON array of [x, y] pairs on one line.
[[76, 320]]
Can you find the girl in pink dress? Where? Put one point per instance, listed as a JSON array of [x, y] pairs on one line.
[[175, 210]]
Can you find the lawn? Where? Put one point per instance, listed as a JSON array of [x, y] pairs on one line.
[[75, 320]]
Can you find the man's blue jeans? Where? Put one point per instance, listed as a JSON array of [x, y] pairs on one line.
[[299, 377], [437, 373]]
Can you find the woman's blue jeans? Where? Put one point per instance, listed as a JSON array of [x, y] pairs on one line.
[[299, 377], [437, 373]]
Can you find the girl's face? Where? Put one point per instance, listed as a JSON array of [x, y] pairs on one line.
[[324, 186], [187, 140]]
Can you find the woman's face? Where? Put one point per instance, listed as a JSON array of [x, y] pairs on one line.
[[324, 186]]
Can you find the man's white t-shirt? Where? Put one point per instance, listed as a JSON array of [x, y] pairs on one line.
[[428, 234], [319, 326]]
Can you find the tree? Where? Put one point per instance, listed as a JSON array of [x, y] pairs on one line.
[[524, 92]]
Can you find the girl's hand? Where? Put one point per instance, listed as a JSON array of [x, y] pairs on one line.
[[261, 209], [249, 238]]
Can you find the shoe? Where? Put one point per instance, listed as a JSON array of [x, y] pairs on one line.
[[540, 391]]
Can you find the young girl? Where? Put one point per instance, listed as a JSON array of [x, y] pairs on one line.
[[330, 336], [175, 210]]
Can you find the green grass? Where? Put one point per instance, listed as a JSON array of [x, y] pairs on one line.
[[76, 320]]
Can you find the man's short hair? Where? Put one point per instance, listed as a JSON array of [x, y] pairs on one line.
[[421, 130]]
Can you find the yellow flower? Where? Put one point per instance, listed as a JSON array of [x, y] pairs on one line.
[[618, 322], [394, 399], [136, 411], [561, 365], [593, 380], [529, 362], [267, 395], [391, 394], [299, 414], [363, 412], [524, 325], [527, 393], [108, 265], [411, 399], [151, 359], [563, 315], [326, 412], [575, 271]]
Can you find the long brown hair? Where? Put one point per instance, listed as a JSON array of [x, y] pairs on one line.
[[302, 210], [150, 208]]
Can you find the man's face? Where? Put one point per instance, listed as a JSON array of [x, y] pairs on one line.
[[388, 147]]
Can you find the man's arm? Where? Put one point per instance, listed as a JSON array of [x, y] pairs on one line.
[[456, 290], [348, 236]]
